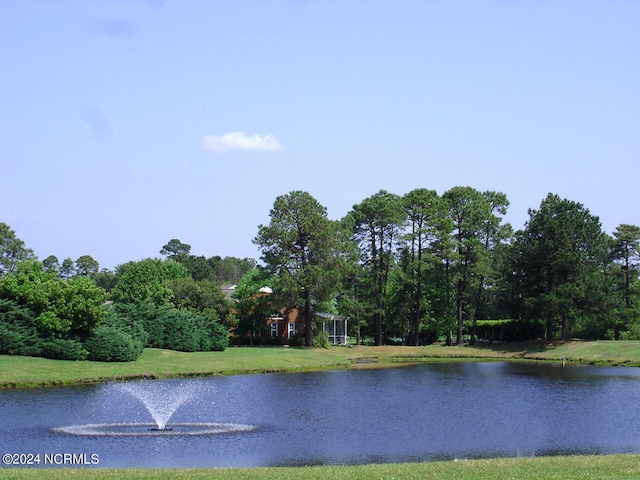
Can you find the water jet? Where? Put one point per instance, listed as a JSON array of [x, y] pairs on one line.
[[161, 399]]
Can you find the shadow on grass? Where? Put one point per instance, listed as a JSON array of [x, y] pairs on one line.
[[521, 349]]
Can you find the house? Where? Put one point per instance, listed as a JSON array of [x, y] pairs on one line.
[[336, 327], [284, 324], [287, 322]]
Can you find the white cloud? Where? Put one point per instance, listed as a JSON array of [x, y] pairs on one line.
[[240, 141]]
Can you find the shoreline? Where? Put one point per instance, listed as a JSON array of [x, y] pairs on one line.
[[36, 372]]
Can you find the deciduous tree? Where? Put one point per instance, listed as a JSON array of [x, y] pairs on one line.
[[146, 279]]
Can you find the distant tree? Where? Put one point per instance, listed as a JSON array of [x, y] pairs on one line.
[[176, 250], [204, 297], [492, 234], [230, 269], [86, 265], [105, 278], [146, 279], [471, 216], [300, 246], [626, 249], [559, 259], [377, 221], [198, 267], [12, 250], [425, 211], [51, 264], [67, 269]]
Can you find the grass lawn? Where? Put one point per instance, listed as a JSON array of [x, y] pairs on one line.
[[16, 371], [566, 468]]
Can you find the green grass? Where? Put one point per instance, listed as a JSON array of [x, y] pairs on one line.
[[547, 468], [16, 371]]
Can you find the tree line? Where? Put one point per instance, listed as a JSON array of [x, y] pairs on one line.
[[406, 269], [75, 311], [422, 267]]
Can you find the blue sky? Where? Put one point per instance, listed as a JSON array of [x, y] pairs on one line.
[[124, 124]]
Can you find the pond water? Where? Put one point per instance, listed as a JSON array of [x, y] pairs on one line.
[[421, 413]]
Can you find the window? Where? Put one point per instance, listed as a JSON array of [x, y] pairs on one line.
[[274, 329], [292, 329]]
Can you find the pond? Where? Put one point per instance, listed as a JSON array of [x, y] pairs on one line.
[[427, 412]]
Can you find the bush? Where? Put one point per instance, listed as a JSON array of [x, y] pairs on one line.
[[219, 336], [122, 318], [18, 333], [184, 331], [168, 327], [108, 344], [321, 340], [61, 349]]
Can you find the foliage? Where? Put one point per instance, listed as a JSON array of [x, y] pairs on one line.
[[300, 246], [12, 250], [108, 344], [376, 222], [204, 297], [176, 329], [557, 264], [86, 265], [61, 349], [61, 307], [416, 268], [18, 333], [176, 250], [425, 215], [321, 340], [105, 278], [51, 264], [217, 269], [146, 279], [252, 306], [119, 338], [67, 269], [230, 269]]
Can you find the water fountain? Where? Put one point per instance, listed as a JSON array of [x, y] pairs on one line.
[[161, 399]]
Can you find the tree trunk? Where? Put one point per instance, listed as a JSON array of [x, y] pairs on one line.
[[460, 324], [549, 328], [565, 328], [308, 319], [377, 320]]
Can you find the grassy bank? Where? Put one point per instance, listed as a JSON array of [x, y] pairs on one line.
[[18, 371], [566, 468]]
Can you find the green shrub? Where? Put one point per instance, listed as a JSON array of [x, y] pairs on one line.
[[183, 331], [321, 340], [167, 327], [125, 318], [61, 349], [107, 344], [18, 333], [219, 336]]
